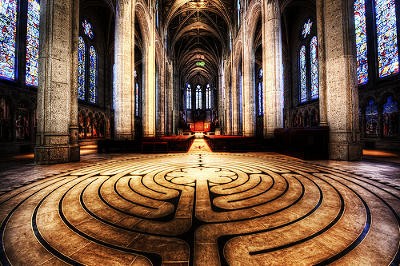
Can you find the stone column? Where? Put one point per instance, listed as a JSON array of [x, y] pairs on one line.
[[149, 108], [321, 62], [272, 67], [341, 81], [234, 96], [176, 100], [169, 106], [161, 92], [225, 96], [221, 103], [158, 92], [248, 87], [228, 100], [74, 127], [57, 87], [124, 70], [228, 113]]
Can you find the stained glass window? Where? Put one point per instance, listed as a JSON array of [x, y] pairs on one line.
[[308, 64], [371, 118], [314, 67], [240, 102], [303, 74], [88, 29], [390, 106], [390, 117], [307, 28], [32, 43], [137, 99], [260, 93], [188, 97], [88, 66], [157, 15], [361, 41], [238, 12], [81, 68], [386, 29], [93, 75], [198, 97], [208, 97], [8, 24]]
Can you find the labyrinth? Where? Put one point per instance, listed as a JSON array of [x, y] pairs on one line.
[[202, 209]]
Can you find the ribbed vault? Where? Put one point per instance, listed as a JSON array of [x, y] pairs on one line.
[[198, 36]]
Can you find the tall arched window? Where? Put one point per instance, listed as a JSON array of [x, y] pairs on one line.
[[157, 11], [188, 97], [303, 74], [314, 68], [81, 68], [390, 117], [238, 9], [87, 65], [260, 108], [137, 94], [8, 25], [308, 64], [16, 24], [208, 96], [376, 29], [198, 97], [386, 35], [32, 43], [137, 99], [361, 41], [93, 75], [371, 118]]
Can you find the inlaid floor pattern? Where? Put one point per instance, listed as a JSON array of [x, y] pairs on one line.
[[201, 209]]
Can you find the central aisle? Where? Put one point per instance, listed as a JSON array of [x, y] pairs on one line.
[[199, 146]]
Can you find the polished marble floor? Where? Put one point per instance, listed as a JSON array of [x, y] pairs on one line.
[[200, 208]]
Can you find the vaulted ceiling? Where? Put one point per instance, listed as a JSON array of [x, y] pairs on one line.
[[198, 33]]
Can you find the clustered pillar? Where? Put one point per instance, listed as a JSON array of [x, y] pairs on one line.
[[248, 87], [149, 110], [124, 70], [272, 65], [57, 134], [341, 82]]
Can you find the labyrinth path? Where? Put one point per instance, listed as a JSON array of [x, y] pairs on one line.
[[201, 209]]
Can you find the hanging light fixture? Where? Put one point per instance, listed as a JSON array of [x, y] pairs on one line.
[[198, 4]]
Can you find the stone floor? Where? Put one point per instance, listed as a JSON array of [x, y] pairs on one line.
[[200, 208]]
